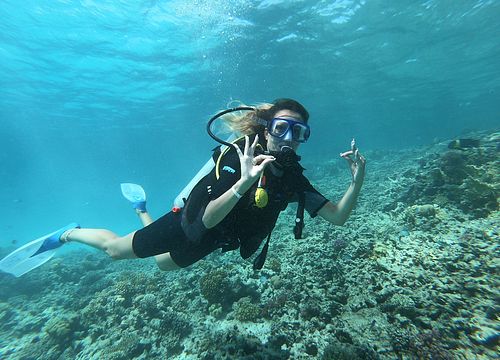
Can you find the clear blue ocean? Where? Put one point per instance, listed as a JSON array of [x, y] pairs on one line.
[[96, 93]]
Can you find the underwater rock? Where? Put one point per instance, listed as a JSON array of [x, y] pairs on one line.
[[486, 336], [175, 324], [6, 312], [233, 344], [493, 312], [343, 336], [129, 346], [61, 329], [336, 350], [421, 345], [453, 166], [385, 294], [311, 349], [148, 304], [309, 310], [174, 327], [465, 179], [274, 264], [423, 217], [275, 306], [478, 198], [401, 304]]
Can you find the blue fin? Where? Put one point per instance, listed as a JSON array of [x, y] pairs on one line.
[[33, 254], [135, 194], [52, 240]]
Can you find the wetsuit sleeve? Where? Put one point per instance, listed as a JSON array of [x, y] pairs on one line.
[[229, 172], [314, 200]]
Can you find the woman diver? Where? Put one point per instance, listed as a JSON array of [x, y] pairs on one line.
[[236, 205]]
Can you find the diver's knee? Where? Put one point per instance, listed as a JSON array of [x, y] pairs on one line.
[[115, 249], [113, 254]]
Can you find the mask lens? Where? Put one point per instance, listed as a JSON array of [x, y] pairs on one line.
[[280, 127], [300, 132]]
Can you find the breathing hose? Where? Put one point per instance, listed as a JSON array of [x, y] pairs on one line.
[[218, 115]]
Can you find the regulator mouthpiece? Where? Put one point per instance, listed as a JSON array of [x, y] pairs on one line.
[[286, 158]]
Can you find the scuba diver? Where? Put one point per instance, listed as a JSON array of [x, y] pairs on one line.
[[236, 203]]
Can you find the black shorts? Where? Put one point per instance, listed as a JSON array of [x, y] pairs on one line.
[[166, 235]]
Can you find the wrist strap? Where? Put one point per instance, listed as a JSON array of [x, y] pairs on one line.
[[237, 194]]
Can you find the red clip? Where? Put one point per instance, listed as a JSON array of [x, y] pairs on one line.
[[176, 209]]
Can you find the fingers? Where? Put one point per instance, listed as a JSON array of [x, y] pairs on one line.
[[264, 163], [358, 158], [238, 151], [246, 144], [254, 144], [260, 158], [347, 155], [362, 159], [248, 149]]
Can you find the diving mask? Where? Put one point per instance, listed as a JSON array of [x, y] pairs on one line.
[[280, 127]]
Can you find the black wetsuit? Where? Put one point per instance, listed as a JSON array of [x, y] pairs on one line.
[[187, 239]]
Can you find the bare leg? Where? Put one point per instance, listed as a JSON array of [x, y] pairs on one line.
[[165, 262], [115, 246], [145, 218]]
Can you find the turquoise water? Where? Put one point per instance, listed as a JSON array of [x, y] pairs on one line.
[[94, 93]]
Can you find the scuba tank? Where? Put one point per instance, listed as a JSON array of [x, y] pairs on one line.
[[184, 194]]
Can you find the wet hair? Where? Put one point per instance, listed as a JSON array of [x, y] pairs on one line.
[[246, 123]]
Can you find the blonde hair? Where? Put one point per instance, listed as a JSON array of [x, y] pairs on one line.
[[244, 122]]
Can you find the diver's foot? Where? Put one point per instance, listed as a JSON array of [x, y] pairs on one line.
[[53, 241]]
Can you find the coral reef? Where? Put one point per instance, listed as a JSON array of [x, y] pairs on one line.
[[337, 350], [467, 179], [412, 275], [215, 286], [245, 310]]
